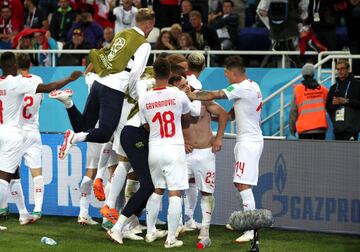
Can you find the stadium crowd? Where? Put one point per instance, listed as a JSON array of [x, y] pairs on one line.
[[187, 24]]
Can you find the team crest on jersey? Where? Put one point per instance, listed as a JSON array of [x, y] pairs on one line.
[[119, 43]]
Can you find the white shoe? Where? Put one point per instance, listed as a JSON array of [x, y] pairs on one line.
[[26, 219], [131, 236], [228, 226], [246, 237], [68, 142], [173, 244], [61, 95], [115, 236], [137, 230], [204, 232], [158, 234], [2, 228], [86, 220], [181, 229], [190, 225]]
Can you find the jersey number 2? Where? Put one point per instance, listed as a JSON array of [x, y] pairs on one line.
[[1, 112], [166, 121], [30, 101]]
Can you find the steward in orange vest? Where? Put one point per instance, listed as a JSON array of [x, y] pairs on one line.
[[308, 112]]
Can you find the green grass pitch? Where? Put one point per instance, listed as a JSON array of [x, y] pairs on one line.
[[72, 237]]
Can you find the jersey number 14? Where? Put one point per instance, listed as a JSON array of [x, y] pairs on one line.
[[166, 122]]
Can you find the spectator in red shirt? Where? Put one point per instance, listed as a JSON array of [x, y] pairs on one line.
[[9, 27], [17, 10], [101, 13]]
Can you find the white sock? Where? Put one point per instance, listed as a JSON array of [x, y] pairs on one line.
[[174, 213], [68, 103], [85, 190], [103, 160], [107, 189], [134, 223], [248, 200], [118, 181], [190, 201], [80, 137], [130, 189], [38, 192], [152, 211], [4, 190], [131, 222], [18, 196], [207, 208], [120, 201], [121, 223]]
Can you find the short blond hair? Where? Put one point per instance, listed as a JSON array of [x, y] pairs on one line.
[[196, 61], [144, 14], [176, 26]]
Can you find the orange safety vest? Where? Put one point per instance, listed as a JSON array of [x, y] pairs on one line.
[[311, 108]]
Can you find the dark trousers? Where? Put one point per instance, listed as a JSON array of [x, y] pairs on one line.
[[103, 104], [316, 136], [353, 136], [135, 142]]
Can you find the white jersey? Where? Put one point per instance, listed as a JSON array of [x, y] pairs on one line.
[[141, 87], [31, 106], [162, 109], [12, 91], [90, 77], [247, 105]]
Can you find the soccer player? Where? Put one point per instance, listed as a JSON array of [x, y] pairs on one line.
[[93, 153], [163, 109], [134, 141], [201, 146], [119, 67], [32, 146], [12, 91], [249, 140], [32, 140]]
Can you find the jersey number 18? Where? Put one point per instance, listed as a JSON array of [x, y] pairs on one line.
[[166, 121]]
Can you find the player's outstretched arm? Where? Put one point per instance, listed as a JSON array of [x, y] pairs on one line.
[[207, 95], [47, 88]]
